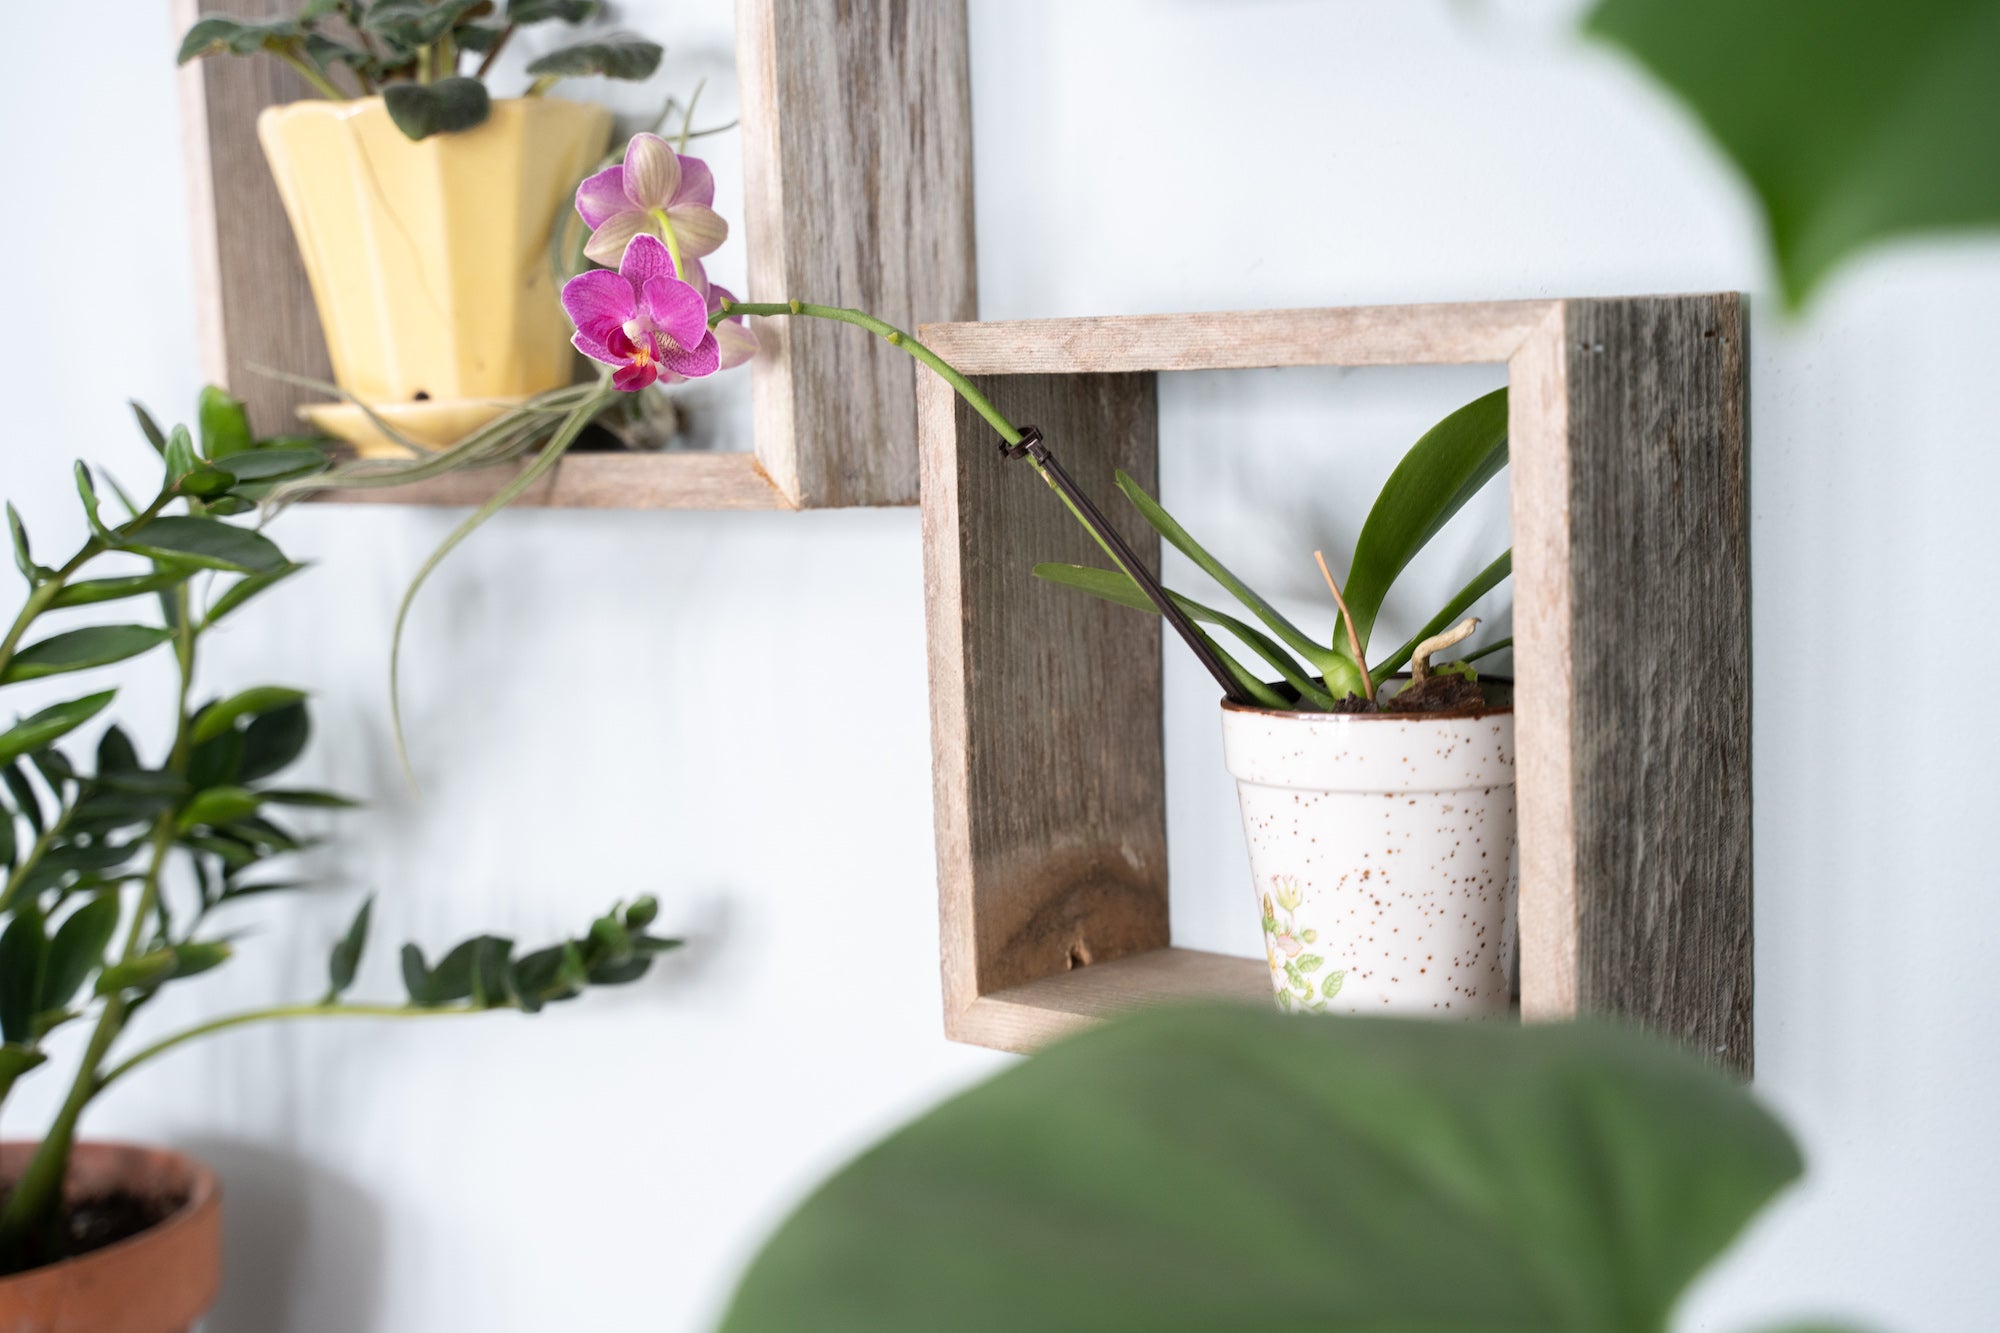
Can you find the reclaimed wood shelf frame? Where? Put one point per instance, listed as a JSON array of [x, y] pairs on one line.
[[1632, 660], [862, 112]]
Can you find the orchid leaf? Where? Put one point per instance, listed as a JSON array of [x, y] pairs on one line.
[[50, 725], [345, 959], [81, 649], [225, 426], [1163, 523], [1116, 586], [1229, 1167], [1482, 583], [1435, 479], [1853, 124], [208, 543], [423, 109], [618, 56]]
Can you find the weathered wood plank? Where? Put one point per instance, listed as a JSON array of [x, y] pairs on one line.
[[253, 304], [1024, 1017], [600, 481], [1396, 335], [1046, 732], [1654, 600], [858, 179]]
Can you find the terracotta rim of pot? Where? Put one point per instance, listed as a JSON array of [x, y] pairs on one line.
[[1452, 715], [164, 1277]]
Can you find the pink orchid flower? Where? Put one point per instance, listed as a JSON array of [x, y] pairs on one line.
[[738, 342], [655, 183], [642, 319]]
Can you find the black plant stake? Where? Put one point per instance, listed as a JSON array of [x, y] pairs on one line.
[[1032, 446]]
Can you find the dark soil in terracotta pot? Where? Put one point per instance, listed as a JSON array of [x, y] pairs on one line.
[[105, 1219]]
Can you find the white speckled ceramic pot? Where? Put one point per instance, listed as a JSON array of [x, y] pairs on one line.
[[1382, 847]]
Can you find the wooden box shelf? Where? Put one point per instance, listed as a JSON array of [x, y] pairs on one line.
[[1632, 661], [857, 152]]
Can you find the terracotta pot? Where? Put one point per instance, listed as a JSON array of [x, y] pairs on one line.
[[159, 1281], [1382, 850], [429, 260]]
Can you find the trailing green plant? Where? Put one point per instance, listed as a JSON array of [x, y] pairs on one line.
[[413, 52], [122, 868], [1442, 471], [1223, 1168]]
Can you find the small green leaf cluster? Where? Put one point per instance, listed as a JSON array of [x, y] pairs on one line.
[[1437, 477], [411, 52], [119, 867]]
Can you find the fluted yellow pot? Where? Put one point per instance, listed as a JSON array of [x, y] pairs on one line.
[[430, 260]]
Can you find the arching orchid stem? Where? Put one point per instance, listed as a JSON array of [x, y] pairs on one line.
[[1079, 504]]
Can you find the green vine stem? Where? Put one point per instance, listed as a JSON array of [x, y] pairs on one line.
[[278, 1013]]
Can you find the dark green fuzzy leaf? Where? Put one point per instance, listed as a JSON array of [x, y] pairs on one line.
[[50, 724], [409, 24], [478, 38], [24, 951], [86, 592], [209, 543], [1231, 1168], [423, 109], [81, 649], [345, 959], [225, 425], [541, 11], [217, 806], [78, 950], [273, 740], [218, 717], [217, 35], [247, 587], [617, 56]]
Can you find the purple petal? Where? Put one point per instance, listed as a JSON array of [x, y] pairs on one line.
[[699, 229], [676, 309], [631, 379], [646, 258], [600, 196], [595, 350], [652, 171], [703, 358], [598, 302], [697, 184], [607, 244]]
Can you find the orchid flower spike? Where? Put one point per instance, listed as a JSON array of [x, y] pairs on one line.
[[642, 319], [655, 190]]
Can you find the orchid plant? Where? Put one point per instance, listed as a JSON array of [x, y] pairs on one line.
[[119, 872], [412, 52], [650, 218]]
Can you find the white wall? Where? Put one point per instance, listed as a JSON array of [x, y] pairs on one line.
[[729, 710]]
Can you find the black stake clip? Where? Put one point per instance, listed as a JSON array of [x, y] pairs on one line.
[[1031, 445]]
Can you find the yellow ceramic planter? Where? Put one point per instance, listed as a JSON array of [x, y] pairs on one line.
[[430, 260]]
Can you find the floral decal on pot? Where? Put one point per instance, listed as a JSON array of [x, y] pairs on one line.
[[1285, 947]]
